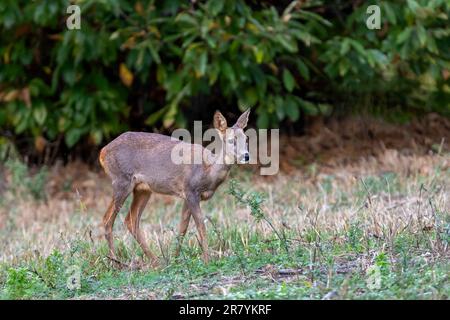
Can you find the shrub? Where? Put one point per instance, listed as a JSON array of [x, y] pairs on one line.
[[155, 64]]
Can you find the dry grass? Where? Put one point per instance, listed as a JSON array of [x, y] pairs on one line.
[[300, 201], [338, 218]]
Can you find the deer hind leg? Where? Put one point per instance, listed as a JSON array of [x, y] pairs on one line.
[[141, 194], [121, 192], [184, 224]]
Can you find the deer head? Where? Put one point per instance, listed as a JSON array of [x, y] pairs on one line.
[[233, 139]]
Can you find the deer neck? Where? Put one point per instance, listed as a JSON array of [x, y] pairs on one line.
[[218, 168]]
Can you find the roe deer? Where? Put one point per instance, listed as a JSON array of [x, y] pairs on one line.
[[141, 163]]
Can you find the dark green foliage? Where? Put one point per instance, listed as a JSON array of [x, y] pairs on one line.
[[143, 64]]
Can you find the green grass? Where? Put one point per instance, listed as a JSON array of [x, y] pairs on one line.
[[377, 237], [251, 273]]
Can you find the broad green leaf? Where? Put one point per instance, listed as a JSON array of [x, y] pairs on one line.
[[154, 52], [344, 66], [291, 108], [227, 70], [308, 107], [288, 80], [154, 117], [279, 110], [202, 63], [358, 47], [169, 117], [250, 97], [307, 15], [390, 12], [187, 19], [259, 54], [215, 6], [40, 114], [413, 5], [213, 73], [305, 37], [262, 121], [72, 136], [404, 35], [422, 35], [23, 122], [325, 108], [161, 74], [287, 42], [345, 46], [302, 68]]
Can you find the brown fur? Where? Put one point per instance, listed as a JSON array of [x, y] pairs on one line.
[[141, 163]]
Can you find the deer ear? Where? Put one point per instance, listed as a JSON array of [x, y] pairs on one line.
[[243, 119], [220, 123]]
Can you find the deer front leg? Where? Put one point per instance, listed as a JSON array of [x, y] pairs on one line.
[[193, 203], [184, 224]]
